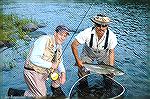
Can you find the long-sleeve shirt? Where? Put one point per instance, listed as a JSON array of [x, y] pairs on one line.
[[38, 51]]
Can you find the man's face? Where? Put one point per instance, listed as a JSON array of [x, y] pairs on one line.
[[60, 36], [100, 29]]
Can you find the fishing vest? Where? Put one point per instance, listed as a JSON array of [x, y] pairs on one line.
[[106, 40], [49, 55]]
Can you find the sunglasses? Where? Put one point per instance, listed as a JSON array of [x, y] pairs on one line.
[[100, 25]]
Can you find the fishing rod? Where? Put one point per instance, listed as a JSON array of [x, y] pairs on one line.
[[77, 28]]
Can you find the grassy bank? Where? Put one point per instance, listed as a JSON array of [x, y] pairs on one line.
[[12, 24]]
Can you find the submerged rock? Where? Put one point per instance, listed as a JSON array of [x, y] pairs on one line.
[[36, 34]]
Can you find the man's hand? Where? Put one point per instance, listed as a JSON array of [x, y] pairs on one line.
[[63, 78], [110, 75], [79, 63]]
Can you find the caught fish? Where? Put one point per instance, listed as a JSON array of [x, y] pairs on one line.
[[103, 69]]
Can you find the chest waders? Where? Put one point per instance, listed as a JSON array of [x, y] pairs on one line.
[[106, 40], [100, 56]]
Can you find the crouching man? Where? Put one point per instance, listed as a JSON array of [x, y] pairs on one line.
[[44, 60]]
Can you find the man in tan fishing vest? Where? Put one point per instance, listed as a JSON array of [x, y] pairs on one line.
[[44, 60]]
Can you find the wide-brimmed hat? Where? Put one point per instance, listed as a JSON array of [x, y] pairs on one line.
[[101, 19], [62, 28]]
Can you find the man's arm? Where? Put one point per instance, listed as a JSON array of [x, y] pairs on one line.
[[74, 47], [111, 57]]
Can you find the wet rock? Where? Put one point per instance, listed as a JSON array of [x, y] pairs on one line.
[[27, 37], [32, 27], [1, 44], [6, 44], [41, 25]]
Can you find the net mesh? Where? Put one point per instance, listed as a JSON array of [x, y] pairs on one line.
[[96, 86]]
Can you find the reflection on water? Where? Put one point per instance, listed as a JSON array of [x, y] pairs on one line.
[[129, 23]]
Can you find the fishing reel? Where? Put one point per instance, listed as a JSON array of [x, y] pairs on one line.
[[54, 76]]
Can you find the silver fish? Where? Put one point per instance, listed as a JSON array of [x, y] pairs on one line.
[[103, 69]]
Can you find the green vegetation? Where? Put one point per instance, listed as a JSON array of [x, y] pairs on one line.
[[9, 25], [12, 24]]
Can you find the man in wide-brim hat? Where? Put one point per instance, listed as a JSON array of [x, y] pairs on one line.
[[100, 39]]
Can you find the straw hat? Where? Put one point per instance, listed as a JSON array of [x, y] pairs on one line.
[[101, 19]]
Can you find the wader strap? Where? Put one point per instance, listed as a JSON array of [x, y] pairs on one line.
[[106, 41], [91, 40]]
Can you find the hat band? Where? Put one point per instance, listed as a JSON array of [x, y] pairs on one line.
[[100, 23]]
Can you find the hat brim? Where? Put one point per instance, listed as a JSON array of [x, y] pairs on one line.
[[63, 28]]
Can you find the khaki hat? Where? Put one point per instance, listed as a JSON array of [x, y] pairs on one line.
[[101, 19]]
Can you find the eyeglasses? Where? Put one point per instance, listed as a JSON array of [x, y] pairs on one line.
[[100, 25]]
